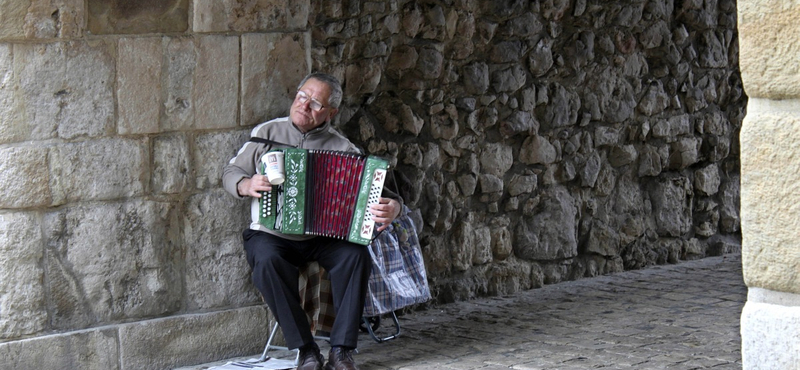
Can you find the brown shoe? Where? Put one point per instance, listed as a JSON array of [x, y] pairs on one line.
[[340, 359], [310, 358]]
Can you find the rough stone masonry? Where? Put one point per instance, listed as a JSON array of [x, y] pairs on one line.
[[548, 140], [541, 141]]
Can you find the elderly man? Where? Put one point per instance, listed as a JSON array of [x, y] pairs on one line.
[[276, 257]]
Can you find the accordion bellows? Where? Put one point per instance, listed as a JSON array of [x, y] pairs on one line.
[[326, 193]]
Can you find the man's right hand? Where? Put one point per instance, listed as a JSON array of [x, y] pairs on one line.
[[253, 186]]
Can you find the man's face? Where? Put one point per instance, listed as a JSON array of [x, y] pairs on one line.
[[313, 94]]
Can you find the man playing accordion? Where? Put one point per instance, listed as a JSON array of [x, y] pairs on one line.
[[275, 257]]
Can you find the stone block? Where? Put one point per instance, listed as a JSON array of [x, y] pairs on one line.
[[12, 18], [476, 75], [11, 129], [563, 107], [590, 170], [629, 199], [273, 65], [621, 155], [96, 349], [41, 19], [112, 262], [654, 101], [362, 79], [431, 156], [39, 74], [672, 127], [490, 183], [768, 48], [139, 74], [611, 98], [508, 278], [181, 57], [694, 249], [603, 240], [217, 274], [496, 159], [540, 60], [22, 301], [171, 169], [566, 171], [404, 57], [65, 89], [605, 136], [649, 162], [430, 63], [444, 128], [671, 199], [507, 52], [501, 238], [50, 19], [508, 80], [97, 170], [519, 122], [412, 155], [770, 193], [522, 184], [770, 332], [215, 93], [258, 15], [86, 101], [24, 177], [684, 152], [467, 183], [212, 152], [462, 246], [411, 122], [537, 149], [483, 246], [437, 256], [729, 195], [606, 180], [137, 17], [190, 339], [707, 180], [535, 241]]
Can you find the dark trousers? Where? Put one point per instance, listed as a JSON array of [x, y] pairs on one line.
[[275, 262]]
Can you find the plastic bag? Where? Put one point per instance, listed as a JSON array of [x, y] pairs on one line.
[[398, 276]]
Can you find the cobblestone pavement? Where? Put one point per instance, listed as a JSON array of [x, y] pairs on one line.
[[683, 316]]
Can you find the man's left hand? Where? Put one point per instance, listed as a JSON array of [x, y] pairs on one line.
[[385, 211]]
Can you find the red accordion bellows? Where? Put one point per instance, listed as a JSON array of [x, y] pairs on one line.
[[334, 179]]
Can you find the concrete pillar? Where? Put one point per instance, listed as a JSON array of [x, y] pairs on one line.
[[769, 36]]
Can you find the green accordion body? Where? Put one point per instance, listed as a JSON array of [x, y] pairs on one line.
[[325, 193]]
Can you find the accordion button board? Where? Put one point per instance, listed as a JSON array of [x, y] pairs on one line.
[[325, 193]]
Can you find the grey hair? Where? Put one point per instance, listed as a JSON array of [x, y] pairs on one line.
[[336, 88]]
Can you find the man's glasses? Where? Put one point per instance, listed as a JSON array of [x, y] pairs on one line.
[[302, 98]]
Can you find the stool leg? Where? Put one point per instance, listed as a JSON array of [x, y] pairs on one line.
[[381, 340], [264, 356]]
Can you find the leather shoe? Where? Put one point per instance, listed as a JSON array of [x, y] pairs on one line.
[[340, 359], [310, 358]]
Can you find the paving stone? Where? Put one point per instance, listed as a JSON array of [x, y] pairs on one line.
[[683, 316]]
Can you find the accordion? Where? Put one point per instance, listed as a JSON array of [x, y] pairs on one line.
[[325, 193]]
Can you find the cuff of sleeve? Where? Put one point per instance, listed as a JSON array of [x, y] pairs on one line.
[[238, 195]]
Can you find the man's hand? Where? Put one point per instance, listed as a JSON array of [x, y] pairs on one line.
[[385, 211], [252, 186]]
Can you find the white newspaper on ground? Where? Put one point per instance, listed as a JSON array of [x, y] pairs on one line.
[[272, 363]]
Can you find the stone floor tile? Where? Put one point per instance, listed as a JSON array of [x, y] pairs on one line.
[[663, 317]]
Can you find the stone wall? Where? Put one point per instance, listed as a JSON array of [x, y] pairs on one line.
[[542, 141], [770, 157], [547, 140]]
